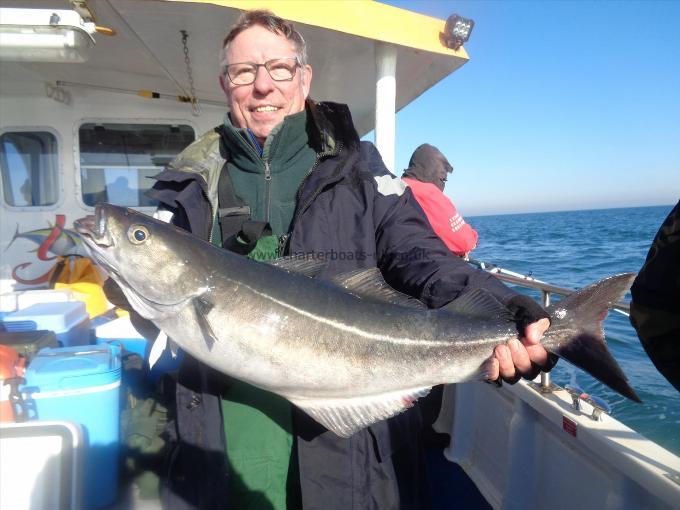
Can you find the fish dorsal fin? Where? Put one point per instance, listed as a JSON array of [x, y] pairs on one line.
[[307, 266], [370, 284], [479, 303], [345, 416]]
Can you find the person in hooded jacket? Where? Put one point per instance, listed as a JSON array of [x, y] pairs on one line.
[[286, 175], [426, 176]]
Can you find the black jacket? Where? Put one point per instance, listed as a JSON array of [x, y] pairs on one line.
[[655, 304], [356, 214]]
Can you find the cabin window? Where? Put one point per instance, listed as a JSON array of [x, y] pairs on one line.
[[29, 164], [117, 161]]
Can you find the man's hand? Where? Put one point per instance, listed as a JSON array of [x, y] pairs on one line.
[[525, 357]]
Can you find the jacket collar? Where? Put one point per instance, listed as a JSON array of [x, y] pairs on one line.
[[329, 125]]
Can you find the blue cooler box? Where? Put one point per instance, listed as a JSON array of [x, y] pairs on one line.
[[121, 332], [69, 321], [82, 384]]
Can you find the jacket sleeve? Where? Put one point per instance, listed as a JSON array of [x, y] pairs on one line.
[[410, 255], [450, 226], [655, 304]]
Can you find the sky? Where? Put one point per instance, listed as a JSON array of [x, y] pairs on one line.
[[563, 105]]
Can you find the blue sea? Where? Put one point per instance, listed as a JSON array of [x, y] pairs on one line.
[[572, 249]]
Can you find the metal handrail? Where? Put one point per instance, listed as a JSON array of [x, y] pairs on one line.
[[547, 289]]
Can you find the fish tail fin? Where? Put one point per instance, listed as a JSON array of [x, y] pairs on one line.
[[577, 321]]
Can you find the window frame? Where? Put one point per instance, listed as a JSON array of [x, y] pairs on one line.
[[59, 167], [78, 176]]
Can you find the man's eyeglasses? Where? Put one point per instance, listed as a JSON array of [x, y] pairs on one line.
[[279, 69]]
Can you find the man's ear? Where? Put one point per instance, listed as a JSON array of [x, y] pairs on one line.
[[224, 85], [307, 80]]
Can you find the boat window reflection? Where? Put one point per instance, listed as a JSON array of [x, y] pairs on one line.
[[117, 161], [29, 166]]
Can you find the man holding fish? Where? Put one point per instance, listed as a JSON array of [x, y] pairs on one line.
[[285, 175]]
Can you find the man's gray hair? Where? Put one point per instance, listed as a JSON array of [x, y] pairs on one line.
[[271, 22]]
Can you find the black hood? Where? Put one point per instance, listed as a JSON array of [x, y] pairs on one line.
[[428, 164]]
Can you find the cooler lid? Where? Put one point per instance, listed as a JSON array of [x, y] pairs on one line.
[[57, 317], [74, 367]]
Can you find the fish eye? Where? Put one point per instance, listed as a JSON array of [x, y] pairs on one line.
[[138, 234]]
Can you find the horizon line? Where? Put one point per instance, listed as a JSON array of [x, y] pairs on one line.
[[567, 210]]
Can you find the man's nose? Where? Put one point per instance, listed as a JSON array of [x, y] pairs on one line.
[[263, 82]]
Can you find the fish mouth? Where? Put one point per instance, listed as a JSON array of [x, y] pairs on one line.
[[97, 239], [92, 229]]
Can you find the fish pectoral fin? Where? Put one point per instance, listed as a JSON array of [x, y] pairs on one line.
[[370, 284], [479, 303], [157, 348], [202, 308], [307, 266], [345, 416]]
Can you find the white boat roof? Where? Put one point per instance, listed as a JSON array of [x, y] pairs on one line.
[[146, 52]]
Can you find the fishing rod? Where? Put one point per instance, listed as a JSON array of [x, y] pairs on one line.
[[529, 281]]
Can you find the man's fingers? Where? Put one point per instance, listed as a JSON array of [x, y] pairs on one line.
[[520, 357], [490, 369], [516, 359], [534, 331], [506, 368], [538, 355]]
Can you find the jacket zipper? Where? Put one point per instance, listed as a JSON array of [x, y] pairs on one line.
[[212, 221], [267, 190]]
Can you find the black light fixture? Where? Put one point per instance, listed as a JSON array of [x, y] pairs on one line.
[[456, 32]]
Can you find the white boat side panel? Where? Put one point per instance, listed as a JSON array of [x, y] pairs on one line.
[[506, 434]]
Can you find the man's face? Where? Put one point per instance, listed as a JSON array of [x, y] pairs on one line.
[[440, 169], [263, 104], [441, 175]]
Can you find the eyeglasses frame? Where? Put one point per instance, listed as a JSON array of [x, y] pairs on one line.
[[225, 68]]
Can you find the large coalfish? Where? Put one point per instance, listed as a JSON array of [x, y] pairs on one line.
[[349, 353]]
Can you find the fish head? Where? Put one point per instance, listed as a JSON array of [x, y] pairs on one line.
[[153, 262]]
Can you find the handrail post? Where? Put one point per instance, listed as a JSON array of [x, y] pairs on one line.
[[545, 294], [545, 376]]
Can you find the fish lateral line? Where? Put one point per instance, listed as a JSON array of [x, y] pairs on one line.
[[345, 328]]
